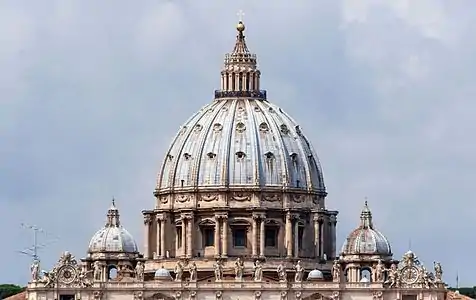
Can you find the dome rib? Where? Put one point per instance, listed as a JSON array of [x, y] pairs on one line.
[[276, 132], [251, 118]]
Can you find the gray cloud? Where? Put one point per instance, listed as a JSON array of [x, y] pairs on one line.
[[92, 94]]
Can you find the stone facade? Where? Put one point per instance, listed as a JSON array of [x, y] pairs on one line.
[[240, 213]]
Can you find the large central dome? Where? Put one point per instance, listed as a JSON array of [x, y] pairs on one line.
[[240, 179], [240, 140]]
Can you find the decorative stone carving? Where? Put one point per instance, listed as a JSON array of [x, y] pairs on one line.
[[139, 295], [178, 270], [299, 272], [393, 279], [164, 199], [335, 295], [336, 271], [208, 197], [377, 295], [438, 272], [271, 197], [282, 275], [178, 295], [218, 268], [193, 271], [182, 198], [35, 270], [147, 219], [83, 276], [218, 295], [298, 198], [239, 267], [97, 270], [257, 295], [257, 271], [66, 272], [241, 197], [192, 295], [298, 295], [410, 273], [139, 270], [284, 295], [379, 271], [97, 295]]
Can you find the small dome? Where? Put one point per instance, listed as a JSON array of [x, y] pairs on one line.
[[315, 275], [162, 274], [365, 239], [113, 237]]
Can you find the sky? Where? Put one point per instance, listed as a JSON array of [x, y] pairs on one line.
[[92, 93]]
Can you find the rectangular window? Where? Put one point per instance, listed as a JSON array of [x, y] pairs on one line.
[[239, 237], [179, 237], [409, 297], [271, 237], [208, 237], [66, 297], [300, 236]]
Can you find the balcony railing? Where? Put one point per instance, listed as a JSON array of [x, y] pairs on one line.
[[261, 94]]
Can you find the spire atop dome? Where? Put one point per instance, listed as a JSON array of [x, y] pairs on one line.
[[366, 217], [113, 215], [240, 76]]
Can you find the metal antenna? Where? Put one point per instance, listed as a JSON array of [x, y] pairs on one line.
[[33, 250]]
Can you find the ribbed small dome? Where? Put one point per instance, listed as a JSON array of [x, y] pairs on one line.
[[365, 239], [315, 275], [113, 237], [162, 274]]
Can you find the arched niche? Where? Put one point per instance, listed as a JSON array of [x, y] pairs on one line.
[[160, 296], [316, 296]]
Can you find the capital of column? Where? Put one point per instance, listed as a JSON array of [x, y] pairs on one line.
[[187, 216], [221, 216], [258, 216], [161, 217], [147, 219], [333, 219]]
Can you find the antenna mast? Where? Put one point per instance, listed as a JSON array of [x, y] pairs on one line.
[[33, 250]]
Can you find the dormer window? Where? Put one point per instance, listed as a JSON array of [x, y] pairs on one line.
[[269, 155], [211, 155], [240, 127], [293, 157], [284, 129], [263, 127], [240, 155], [187, 156]]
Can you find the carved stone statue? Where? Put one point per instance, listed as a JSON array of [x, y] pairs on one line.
[[239, 267], [282, 275], [218, 268], [438, 272], [97, 271], [35, 270], [393, 276], [257, 271], [379, 271], [178, 271], [336, 271], [299, 272], [140, 271], [193, 272], [48, 278], [83, 279]]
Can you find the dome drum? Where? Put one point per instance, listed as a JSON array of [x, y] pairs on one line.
[[219, 94]]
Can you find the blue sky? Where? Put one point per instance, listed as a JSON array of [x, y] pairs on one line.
[[92, 93]]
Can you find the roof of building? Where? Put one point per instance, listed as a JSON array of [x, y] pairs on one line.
[[240, 139], [365, 239], [19, 296], [113, 237]]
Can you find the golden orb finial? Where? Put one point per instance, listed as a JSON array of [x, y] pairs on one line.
[[240, 26]]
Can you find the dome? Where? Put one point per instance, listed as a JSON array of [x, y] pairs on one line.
[[315, 275], [366, 239], [241, 140], [162, 274], [113, 237]]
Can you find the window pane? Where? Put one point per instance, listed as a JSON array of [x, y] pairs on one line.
[[209, 237], [300, 236], [239, 238], [270, 237]]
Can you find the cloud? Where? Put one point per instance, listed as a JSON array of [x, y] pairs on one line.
[[91, 98]]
